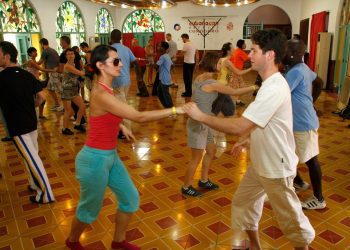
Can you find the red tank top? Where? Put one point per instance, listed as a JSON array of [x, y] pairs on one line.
[[103, 129]]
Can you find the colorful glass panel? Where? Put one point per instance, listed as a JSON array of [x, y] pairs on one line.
[[18, 16], [69, 22], [69, 19], [143, 20], [104, 22]]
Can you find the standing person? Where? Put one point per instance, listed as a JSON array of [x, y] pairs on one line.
[[17, 90], [50, 57], [164, 65], [267, 124], [87, 81], [199, 136], [34, 68], [191, 60], [305, 122], [70, 93], [149, 49], [121, 84], [78, 63], [238, 58], [172, 53], [140, 70], [226, 68], [98, 159]]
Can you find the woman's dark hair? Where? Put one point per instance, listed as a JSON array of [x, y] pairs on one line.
[[75, 48], [31, 50], [271, 39], [69, 49], [9, 49], [209, 61], [100, 54], [225, 49], [240, 43]]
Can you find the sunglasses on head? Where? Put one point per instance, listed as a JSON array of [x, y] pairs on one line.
[[115, 61]]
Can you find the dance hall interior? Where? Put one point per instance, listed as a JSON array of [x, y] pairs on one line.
[[164, 124]]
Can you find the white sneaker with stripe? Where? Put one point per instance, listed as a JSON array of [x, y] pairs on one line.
[[313, 203]]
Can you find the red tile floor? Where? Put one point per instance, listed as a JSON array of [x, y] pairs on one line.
[[157, 162]]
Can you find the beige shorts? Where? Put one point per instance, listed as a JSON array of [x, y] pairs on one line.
[[55, 82], [248, 204], [199, 135], [306, 145]]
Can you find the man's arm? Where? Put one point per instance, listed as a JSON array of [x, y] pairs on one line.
[[236, 126]]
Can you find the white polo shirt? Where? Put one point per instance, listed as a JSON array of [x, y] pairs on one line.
[[190, 52], [272, 146]]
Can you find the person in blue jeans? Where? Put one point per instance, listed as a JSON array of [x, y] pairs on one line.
[[164, 65]]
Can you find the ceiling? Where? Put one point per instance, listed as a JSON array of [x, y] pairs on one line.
[[156, 4]]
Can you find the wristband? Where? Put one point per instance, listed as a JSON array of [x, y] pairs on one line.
[[173, 109]]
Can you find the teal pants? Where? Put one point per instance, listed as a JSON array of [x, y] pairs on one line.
[[95, 170]]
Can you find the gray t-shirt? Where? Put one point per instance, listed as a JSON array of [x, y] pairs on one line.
[[51, 58], [172, 48]]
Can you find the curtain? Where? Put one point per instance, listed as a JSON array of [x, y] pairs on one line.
[[158, 37], [127, 38], [318, 24]]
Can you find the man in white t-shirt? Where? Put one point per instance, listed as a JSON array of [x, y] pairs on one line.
[[267, 124], [191, 59]]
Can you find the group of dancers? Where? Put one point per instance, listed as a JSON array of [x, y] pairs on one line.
[[266, 127]]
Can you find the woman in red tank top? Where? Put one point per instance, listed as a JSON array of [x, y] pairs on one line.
[[97, 164]]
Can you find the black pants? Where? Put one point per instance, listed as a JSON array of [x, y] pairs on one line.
[[187, 74], [155, 85], [140, 71], [164, 95]]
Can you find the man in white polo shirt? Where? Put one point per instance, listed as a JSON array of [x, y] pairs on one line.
[[191, 59], [267, 125]]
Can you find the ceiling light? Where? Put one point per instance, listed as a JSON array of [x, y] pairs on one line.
[[223, 3]]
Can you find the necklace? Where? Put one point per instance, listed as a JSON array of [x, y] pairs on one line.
[[111, 89]]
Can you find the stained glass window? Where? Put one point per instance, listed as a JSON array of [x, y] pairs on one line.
[[18, 16], [104, 22], [143, 20], [69, 22]]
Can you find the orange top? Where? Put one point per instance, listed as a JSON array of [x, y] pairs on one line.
[[238, 58]]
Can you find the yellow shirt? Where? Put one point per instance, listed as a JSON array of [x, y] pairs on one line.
[[224, 73]]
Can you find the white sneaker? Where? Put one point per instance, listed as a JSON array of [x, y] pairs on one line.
[[60, 108], [302, 187], [313, 203]]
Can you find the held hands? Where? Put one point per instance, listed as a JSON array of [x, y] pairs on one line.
[[128, 134], [240, 147], [193, 111]]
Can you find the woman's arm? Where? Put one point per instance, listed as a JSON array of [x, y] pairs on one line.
[[33, 64], [112, 105], [73, 70], [218, 87], [231, 67]]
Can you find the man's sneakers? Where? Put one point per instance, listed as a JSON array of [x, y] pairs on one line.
[[191, 191], [313, 203], [301, 187]]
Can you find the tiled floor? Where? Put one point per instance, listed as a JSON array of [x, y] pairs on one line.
[[157, 162]]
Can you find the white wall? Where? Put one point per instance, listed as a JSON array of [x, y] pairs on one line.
[[310, 7], [236, 15], [47, 11]]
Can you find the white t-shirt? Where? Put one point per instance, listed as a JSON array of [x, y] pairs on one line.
[[272, 146], [190, 52]]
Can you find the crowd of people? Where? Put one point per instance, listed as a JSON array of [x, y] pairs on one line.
[[279, 126]]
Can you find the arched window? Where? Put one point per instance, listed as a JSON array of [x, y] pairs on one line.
[[70, 23], [143, 24], [143, 20], [19, 24], [104, 25]]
